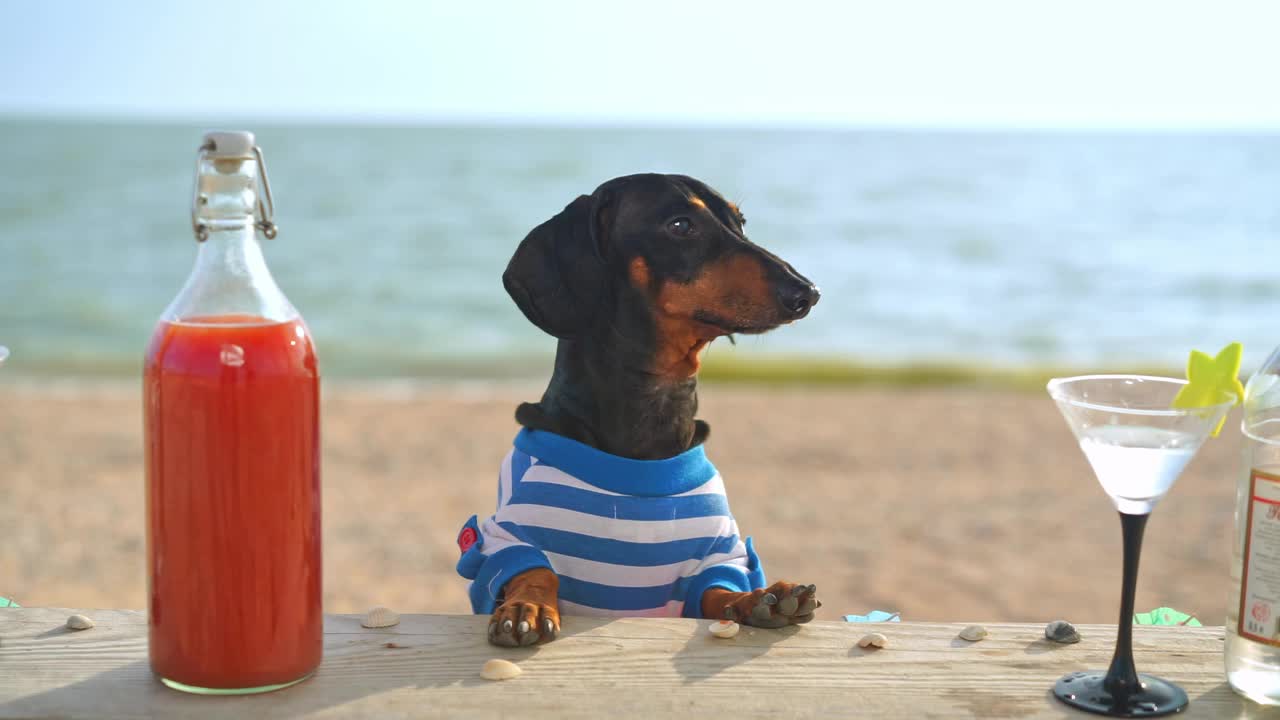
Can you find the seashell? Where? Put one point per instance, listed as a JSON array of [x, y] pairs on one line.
[[1061, 631], [499, 669], [724, 628], [873, 640], [79, 622], [380, 617], [973, 633]]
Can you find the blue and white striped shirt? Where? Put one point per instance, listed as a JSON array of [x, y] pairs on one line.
[[626, 537]]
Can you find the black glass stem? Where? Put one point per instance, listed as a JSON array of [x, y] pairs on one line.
[[1122, 692], [1122, 677]]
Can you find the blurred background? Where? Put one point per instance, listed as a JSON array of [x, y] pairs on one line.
[[993, 182], [985, 191]]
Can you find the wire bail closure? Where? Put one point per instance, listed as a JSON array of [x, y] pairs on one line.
[[266, 211]]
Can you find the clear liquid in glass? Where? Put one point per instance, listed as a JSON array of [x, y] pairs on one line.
[[1137, 464]]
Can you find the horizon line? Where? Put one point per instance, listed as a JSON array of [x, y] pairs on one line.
[[499, 121]]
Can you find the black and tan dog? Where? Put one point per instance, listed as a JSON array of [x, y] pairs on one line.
[[635, 280]]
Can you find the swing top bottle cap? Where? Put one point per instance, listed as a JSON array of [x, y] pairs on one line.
[[229, 144]]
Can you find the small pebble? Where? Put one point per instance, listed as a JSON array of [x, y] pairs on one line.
[[380, 617], [973, 633], [1061, 631], [79, 622], [499, 669], [873, 640], [724, 628]]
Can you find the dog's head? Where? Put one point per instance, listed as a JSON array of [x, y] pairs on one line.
[[667, 242]]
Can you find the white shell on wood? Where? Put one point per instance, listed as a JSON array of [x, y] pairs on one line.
[[380, 617], [973, 633], [877, 640], [724, 628], [79, 622], [499, 669]]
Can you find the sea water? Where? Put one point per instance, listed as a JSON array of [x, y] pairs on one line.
[[929, 246], [1137, 464]]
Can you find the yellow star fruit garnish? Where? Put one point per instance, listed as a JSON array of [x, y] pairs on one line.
[[1210, 379]]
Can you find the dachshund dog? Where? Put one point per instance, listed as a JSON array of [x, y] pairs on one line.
[[607, 504]]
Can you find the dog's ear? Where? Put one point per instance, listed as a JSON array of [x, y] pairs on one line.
[[557, 276]]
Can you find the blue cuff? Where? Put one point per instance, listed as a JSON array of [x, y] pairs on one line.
[[496, 571], [729, 577], [471, 545]]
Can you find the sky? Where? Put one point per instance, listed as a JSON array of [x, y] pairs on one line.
[[946, 63]]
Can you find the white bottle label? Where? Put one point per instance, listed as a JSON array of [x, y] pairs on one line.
[[1260, 576]]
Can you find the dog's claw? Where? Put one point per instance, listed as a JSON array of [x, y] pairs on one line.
[[501, 635], [760, 614], [770, 621], [549, 628], [504, 635], [782, 604], [523, 627], [813, 589]]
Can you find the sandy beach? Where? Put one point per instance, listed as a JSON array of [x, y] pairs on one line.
[[963, 504]]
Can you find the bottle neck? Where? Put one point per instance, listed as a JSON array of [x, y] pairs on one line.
[[233, 253], [230, 281]]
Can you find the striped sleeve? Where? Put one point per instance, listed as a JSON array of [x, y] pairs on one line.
[[492, 555], [740, 572], [737, 570]]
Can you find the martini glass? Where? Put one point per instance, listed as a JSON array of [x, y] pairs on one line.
[[1137, 444]]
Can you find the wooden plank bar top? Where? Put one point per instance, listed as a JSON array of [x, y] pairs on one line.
[[429, 665]]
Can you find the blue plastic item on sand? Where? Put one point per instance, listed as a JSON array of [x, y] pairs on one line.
[[874, 616]]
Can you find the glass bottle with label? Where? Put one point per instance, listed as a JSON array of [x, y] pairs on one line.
[[231, 419], [1253, 608]]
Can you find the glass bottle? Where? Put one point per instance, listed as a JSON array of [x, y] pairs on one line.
[[232, 442], [1253, 608]]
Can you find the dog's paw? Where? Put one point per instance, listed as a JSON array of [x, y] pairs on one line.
[[779, 605], [516, 624]]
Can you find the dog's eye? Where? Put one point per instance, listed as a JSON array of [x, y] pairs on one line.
[[680, 227]]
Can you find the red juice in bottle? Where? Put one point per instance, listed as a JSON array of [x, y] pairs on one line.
[[231, 426], [233, 512]]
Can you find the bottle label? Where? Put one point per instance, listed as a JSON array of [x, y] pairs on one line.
[[1260, 576]]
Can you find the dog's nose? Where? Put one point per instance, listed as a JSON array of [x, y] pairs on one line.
[[799, 299]]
